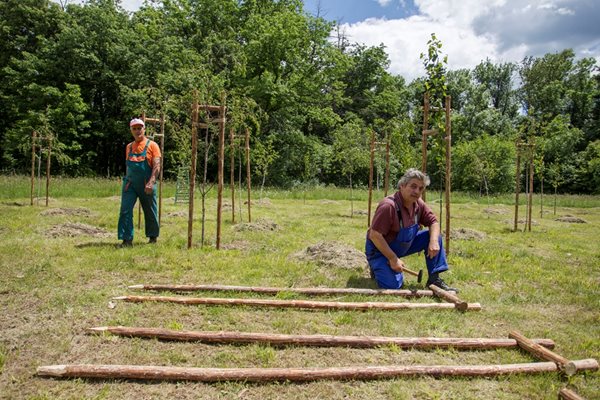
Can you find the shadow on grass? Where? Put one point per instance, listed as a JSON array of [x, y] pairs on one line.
[[107, 245], [361, 282]]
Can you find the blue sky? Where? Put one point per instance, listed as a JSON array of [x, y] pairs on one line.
[[470, 30], [351, 11]]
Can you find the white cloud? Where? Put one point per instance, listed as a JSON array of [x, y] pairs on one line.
[[384, 3], [473, 30]]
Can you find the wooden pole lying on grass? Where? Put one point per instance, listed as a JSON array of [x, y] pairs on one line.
[[275, 290], [450, 298], [568, 394], [327, 305], [148, 372], [422, 343], [567, 366]]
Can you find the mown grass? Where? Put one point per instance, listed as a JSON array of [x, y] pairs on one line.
[[543, 283]]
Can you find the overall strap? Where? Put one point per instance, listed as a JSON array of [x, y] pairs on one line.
[[399, 213]]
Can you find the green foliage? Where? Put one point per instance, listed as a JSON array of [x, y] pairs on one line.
[[485, 164]]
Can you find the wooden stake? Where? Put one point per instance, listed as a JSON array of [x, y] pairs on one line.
[[372, 158], [450, 298], [424, 138], [232, 172], [148, 372], [423, 343], [387, 165], [567, 394], [517, 187], [248, 172], [545, 354], [193, 169], [448, 171], [275, 290], [220, 164], [33, 139], [326, 305]]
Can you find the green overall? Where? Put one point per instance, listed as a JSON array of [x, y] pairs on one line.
[[138, 173]]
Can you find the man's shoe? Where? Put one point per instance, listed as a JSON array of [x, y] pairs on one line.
[[126, 243], [152, 240], [439, 282]]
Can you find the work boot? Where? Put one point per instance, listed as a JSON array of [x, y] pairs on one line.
[[439, 282], [126, 243], [152, 240]]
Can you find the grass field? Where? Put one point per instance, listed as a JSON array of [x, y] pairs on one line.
[[544, 283]]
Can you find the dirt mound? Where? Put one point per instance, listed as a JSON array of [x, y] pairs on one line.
[[572, 219], [521, 221], [15, 203], [326, 201], [496, 211], [81, 212], [177, 214], [333, 254], [466, 234], [73, 229], [360, 212], [262, 225]]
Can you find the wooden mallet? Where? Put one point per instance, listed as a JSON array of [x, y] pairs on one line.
[[419, 275]]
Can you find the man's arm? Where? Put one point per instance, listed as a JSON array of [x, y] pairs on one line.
[[434, 245], [379, 241], [155, 172]]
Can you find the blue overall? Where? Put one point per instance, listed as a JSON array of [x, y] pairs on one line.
[[408, 241], [138, 173]]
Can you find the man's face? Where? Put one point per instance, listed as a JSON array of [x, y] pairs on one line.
[[137, 131], [412, 191]]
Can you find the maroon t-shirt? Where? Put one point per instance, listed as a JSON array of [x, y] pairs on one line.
[[385, 220]]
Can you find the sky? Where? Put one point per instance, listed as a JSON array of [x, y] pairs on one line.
[[470, 30]]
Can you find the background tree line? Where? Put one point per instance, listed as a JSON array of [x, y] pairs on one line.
[[309, 99]]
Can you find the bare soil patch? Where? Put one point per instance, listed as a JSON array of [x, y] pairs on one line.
[[571, 219], [15, 203], [467, 234], [81, 212], [360, 212], [261, 225], [326, 201], [333, 254], [72, 229]]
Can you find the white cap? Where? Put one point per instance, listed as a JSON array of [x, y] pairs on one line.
[[136, 121]]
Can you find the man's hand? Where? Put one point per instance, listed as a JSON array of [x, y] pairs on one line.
[[149, 187], [434, 249], [396, 264]]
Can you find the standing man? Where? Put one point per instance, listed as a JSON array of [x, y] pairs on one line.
[[394, 233], [143, 166]]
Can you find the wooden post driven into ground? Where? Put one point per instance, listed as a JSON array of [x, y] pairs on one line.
[[372, 156], [248, 183], [374, 145], [448, 141], [220, 164], [193, 169], [221, 155], [305, 304], [232, 172], [37, 141], [148, 372], [528, 149], [273, 339]]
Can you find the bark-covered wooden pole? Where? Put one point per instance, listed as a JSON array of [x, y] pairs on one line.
[[248, 182], [316, 305], [314, 291], [149, 372], [273, 339], [33, 143], [371, 166], [450, 298], [568, 394], [565, 365], [193, 169]]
